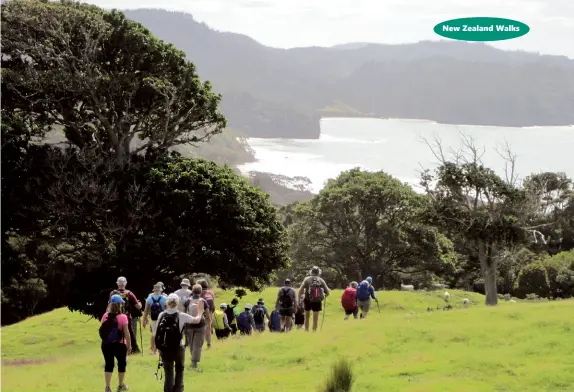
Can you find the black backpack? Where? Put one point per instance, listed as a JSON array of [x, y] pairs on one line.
[[110, 331], [125, 308], [285, 299], [230, 314], [168, 335], [155, 309], [259, 315]]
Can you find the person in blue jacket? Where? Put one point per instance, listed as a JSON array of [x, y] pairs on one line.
[[365, 292]]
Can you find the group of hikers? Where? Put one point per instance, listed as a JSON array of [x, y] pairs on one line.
[[189, 317]]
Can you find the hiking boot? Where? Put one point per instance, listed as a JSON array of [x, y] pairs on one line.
[[108, 389], [122, 388]]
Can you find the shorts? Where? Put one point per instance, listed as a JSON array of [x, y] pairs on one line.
[[222, 333], [153, 327], [364, 305], [260, 327], [286, 312], [312, 306], [352, 312]]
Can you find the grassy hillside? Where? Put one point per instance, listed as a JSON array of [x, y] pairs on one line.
[[514, 347]]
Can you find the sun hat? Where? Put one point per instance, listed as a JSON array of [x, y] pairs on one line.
[[185, 282]]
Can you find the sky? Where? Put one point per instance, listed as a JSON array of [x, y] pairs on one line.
[[297, 23]]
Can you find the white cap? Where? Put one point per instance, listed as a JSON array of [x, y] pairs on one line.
[[223, 305], [173, 297], [185, 282], [122, 279]]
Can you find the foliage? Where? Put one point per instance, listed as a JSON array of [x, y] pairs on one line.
[[365, 223], [340, 379], [560, 269], [102, 77], [533, 278]]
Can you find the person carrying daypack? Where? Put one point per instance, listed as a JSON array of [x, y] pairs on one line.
[[195, 333], [286, 305], [315, 290], [131, 304], [116, 343], [209, 297], [245, 322], [260, 312], [300, 314], [169, 342], [154, 305], [220, 323], [365, 292], [184, 294], [232, 312], [349, 301]]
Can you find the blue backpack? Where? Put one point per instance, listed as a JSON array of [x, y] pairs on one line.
[[243, 321], [110, 331], [363, 291], [275, 322]]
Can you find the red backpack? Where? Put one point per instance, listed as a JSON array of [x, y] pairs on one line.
[[348, 300]]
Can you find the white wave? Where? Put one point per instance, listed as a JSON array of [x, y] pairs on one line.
[[334, 139]]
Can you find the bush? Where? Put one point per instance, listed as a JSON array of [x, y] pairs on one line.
[[560, 270], [533, 278], [341, 378]]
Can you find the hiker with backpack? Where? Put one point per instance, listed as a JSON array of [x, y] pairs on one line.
[[349, 301], [365, 291], [195, 333], [208, 296], [232, 311], [315, 290], [245, 321], [154, 305], [116, 343], [220, 323], [260, 313], [169, 341], [286, 305], [131, 305], [184, 294]]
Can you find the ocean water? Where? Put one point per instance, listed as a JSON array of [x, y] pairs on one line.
[[398, 147]]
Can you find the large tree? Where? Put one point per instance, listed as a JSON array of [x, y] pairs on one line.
[[473, 204], [112, 200], [104, 79], [367, 223]]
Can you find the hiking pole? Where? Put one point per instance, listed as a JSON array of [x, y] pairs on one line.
[[378, 307], [324, 311], [141, 336]]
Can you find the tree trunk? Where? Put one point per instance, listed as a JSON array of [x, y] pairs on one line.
[[488, 267]]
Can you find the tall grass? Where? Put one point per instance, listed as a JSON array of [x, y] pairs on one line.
[[340, 379]]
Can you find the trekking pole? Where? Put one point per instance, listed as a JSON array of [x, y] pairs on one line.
[[324, 311], [378, 307], [141, 336]]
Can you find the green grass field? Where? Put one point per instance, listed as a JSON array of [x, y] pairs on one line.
[[513, 347]]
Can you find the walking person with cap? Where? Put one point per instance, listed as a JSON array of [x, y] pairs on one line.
[[116, 342], [315, 290], [220, 323], [245, 321], [196, 332], [184, 294], [131, 304], [286, 305], [154, 305], [365, 291], [169, 341]]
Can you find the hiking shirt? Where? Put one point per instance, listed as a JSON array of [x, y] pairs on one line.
[[291, 293], [132, 299], [122, 321], [184, 295], [307, 283], [220, 320], [236, 313], [156, 297], [184, 318]]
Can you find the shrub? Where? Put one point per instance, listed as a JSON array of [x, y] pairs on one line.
[[341, 378], [533, 278]]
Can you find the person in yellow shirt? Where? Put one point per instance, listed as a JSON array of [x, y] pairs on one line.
[[220, 323]]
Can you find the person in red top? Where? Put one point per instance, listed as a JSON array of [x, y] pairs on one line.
[[209, 297], [349, 301], [130, 302]]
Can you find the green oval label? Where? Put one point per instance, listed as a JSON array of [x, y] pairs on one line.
[[481, 29]]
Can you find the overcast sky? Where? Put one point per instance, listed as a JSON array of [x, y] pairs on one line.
[[293, 23]]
